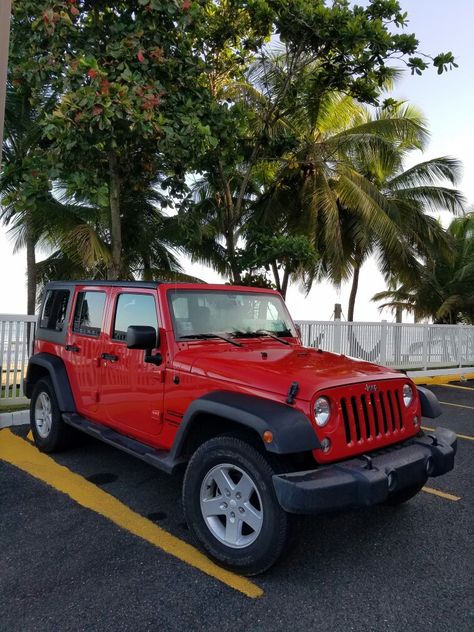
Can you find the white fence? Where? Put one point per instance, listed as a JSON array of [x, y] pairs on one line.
[[398, 345], [16, 341], [402, 346]]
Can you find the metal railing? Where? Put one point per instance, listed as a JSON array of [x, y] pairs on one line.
[[399, 345], [16, 343]]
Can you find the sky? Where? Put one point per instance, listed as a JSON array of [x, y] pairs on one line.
[[448, 103]]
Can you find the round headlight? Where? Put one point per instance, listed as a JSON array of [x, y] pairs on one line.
[[407, 394], [322, 411]]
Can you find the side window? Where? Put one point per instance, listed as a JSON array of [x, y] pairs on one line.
[[54, 310], [88, 313], [134, 309]]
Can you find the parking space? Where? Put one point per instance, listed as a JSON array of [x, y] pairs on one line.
[[69, 567]]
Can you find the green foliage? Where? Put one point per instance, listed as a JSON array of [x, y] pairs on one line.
[[260, 100], [444, 288]]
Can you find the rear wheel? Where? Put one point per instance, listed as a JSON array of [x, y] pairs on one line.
[[404, 495], [231, 507], [50, 432]]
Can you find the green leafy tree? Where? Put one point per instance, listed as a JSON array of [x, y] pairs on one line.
[[331, 45], [129, 101], [444, 289]]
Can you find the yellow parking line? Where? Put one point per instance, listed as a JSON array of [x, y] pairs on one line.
[[26, 457], [436, 492], [29, 436], [464, 388], [459, 436], [443, 379], [457, 405]]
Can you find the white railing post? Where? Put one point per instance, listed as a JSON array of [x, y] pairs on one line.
[[383, 342], [460, 343], [424, 351]]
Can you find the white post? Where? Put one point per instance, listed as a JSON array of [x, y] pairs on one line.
[[460, 342], [337, 335], [424, 353], [383, 342]]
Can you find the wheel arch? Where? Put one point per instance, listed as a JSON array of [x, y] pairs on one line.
[[46, 365], [249, 416]]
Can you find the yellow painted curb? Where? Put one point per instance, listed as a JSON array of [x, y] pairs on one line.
[[443, 379], [28, 458]]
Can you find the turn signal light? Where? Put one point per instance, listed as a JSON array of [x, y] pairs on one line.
[[268, 436]]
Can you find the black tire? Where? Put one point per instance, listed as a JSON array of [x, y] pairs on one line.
[[59, 435], [404, 495], [274, 527]]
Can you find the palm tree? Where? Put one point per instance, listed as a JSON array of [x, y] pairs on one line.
[[444, 289], [344, 187], [409, 195], [24, 188]]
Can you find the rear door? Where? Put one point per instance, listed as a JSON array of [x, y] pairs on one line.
[[131, 390], [83, 347]]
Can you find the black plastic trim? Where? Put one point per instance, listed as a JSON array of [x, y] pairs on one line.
[[58, 374], [430, 406], [292, 430], [369, 479], [161, 459]]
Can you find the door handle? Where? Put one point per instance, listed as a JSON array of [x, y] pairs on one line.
[[72, 348], [109, 357]]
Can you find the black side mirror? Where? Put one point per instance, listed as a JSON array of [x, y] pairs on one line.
[[142, 337]]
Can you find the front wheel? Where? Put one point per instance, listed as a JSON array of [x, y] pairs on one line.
[[50, 432], [231, 507]]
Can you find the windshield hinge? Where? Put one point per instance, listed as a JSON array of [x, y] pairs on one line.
[[294, 388]]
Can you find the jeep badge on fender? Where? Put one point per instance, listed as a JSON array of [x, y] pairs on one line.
[[213, 379]]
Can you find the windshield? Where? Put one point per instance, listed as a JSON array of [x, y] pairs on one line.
[[238, 314]]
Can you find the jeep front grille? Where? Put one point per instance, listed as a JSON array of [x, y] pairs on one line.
[[373, 415]]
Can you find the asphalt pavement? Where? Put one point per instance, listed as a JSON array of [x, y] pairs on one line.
[[65, 567]]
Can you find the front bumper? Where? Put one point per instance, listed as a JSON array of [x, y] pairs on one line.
[[368, 479]]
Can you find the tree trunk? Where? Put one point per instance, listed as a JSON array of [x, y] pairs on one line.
[[276, 276], [30, 269], [115, 268], [236, 277], [284, 284], [147, 271], [353, 294]]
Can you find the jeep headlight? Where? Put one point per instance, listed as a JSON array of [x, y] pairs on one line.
[[322, 411], [407, 394]]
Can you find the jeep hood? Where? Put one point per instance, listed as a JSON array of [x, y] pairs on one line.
[[273, 367]]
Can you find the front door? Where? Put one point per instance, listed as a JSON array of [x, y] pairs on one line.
[[131, 390]]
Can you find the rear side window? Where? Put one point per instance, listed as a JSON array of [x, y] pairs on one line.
[[88, 313], [53, 314], [134, 309]]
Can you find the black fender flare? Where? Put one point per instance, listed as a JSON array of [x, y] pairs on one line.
[[56, 370], [430, 406], [292, 430]]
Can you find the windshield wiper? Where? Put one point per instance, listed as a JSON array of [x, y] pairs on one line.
[[260, 332], [208, 337]]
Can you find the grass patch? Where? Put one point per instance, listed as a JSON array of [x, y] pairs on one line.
[[13, 408]]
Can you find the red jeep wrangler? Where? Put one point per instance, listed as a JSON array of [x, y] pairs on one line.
[[214, 378]]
